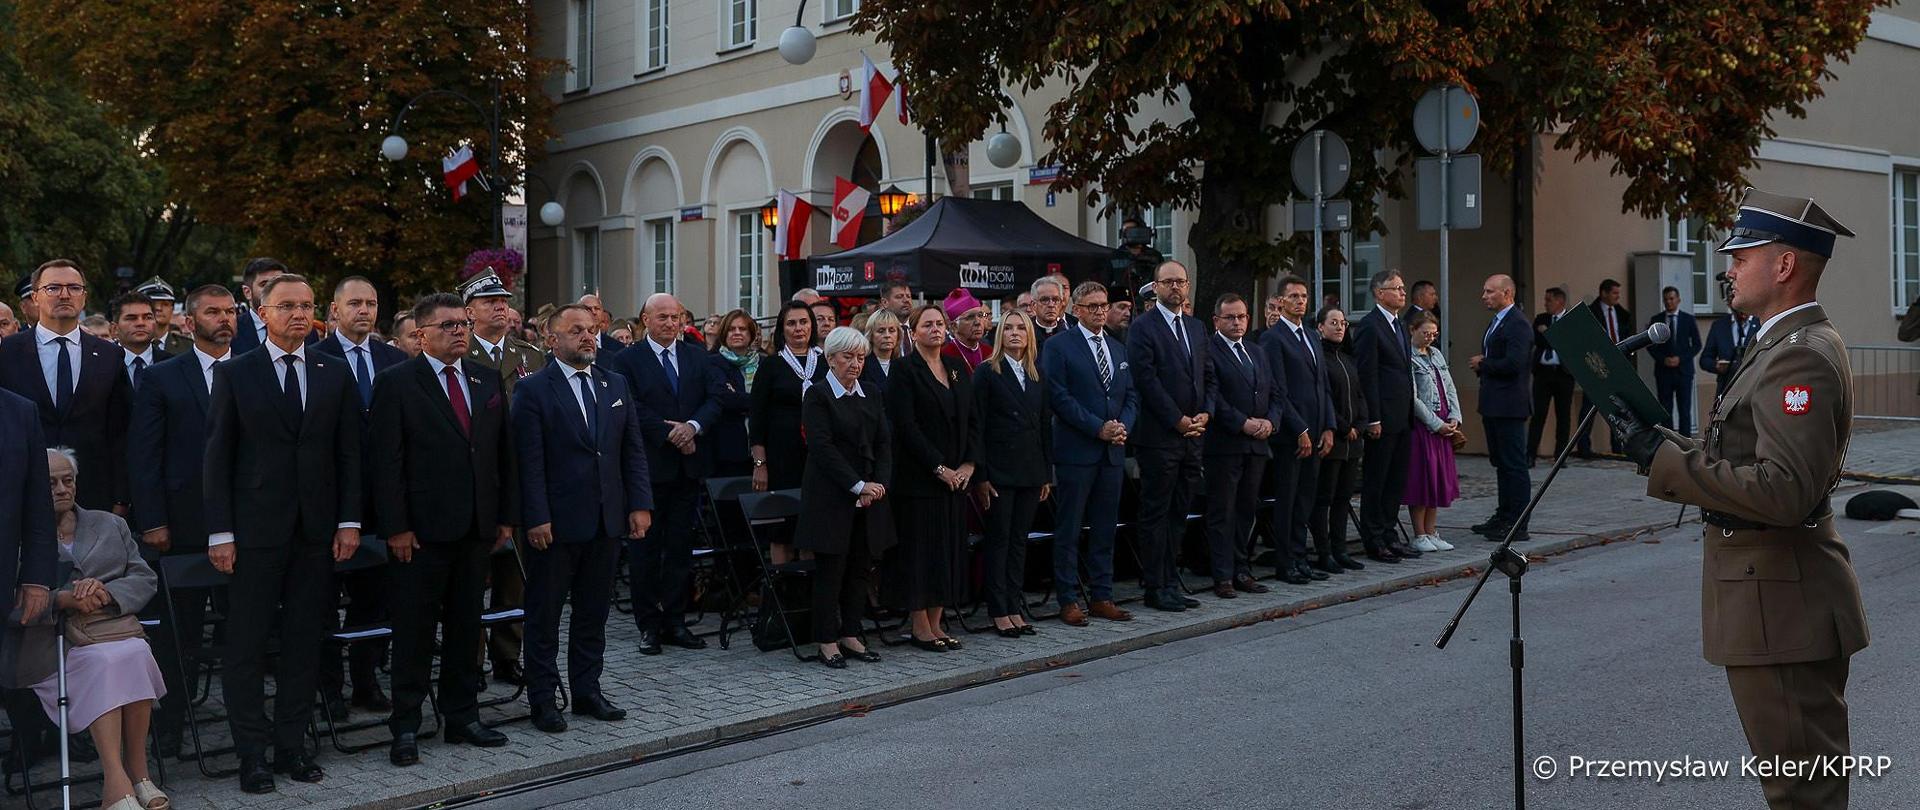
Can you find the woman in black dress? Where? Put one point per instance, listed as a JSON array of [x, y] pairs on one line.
[[844, 510], [736, 348], [1014, 438], [773, 423], [930, 402], [1341, 467]]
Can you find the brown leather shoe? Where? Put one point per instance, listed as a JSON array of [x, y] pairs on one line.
[[1224, 590], [1110, 611], [1073, 615]]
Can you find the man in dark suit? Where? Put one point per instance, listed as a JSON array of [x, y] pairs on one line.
[[284, 484], [583, 487], [78, 381], [441, 469], [603, 321], [134, 324], [1247, 409], [250, 330], [1294, 353], [1552, 384], [1090, 390], [1173, 372], [1617, 323], [28, 557], [166, 442], [1673, 361], [1382, 351], [1506, 400], [1423, 296], [1726, 340], [676, 390]]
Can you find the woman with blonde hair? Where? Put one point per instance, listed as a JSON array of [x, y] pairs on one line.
[[1014, 440], [1432, 483], [883, 335]]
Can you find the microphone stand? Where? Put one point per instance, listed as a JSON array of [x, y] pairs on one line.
[[1514, 565]]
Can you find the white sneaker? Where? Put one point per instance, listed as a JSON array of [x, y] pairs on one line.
[[1439, 543], [1424, 542]]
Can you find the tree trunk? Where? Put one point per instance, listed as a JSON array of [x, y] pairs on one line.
[[1230, 216]]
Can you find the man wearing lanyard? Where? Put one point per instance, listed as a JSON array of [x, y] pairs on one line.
[[1552, 385], [1673, 361], [1617, 322]]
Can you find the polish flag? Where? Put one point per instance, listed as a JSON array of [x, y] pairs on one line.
[[874, 89], [849, 206], [790, 228], [460, 166], [901, 102]]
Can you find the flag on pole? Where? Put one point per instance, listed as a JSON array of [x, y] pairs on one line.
[[874, 89], [849, 207], [790, 226], [902, 100], [460, 167]]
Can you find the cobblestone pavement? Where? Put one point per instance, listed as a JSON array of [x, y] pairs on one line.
[[687, 698]]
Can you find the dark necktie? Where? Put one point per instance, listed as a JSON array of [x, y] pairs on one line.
[[139, 365], [1180, 334], [291, 389], [495, 353], [1240, 351], [666, 365], [362, 377], [587, 400], [1099, 359], [209, 374], [62, 377], [1300, 333], [459, 400]]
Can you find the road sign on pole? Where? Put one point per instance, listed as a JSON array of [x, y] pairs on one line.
[[1445, 121], [1320, 168]]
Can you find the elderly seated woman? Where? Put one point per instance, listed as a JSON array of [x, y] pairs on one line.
[[112, 679]]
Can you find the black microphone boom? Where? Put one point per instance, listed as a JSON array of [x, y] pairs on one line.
[[1657, 333]]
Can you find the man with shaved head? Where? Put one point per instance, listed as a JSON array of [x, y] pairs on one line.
[[675, 388], [1504, 366]]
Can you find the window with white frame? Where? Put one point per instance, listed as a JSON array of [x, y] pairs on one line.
[[837, 10], [739, 23], [1683, 237], [653, 34], [749, 260], [993, 191], [1366, 256], [1159, 218], [586, 258], [659, 255], [580, 45], [1906, 238]]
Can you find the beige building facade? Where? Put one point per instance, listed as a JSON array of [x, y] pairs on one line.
[[679, 121]]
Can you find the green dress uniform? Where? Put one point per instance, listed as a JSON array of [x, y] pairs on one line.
[[1780, 606]]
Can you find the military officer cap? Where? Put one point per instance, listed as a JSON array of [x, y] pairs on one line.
[[23, 287], [485, 285], [156, 290], [1146, 296], [1799, 222]]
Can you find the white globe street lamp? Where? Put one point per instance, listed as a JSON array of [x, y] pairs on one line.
[[1003, 149], [551, 214], [797, 45], [394, 148]]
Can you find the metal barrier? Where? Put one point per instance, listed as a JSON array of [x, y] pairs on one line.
[[1886, 382]]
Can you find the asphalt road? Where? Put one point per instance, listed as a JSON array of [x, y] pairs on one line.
[[1348, 706]]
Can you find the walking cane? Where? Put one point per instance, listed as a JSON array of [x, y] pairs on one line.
[[60, 655]]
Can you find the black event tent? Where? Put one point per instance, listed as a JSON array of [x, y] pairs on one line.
[[993, 248]]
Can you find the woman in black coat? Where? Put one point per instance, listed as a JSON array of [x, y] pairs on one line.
[[1014, 438], [1341, 467], [884, 337], [845, 516], [779, 453], [736, 349], [930, 402]]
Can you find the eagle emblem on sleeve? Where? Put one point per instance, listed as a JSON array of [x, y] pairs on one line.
[[1796, 399]]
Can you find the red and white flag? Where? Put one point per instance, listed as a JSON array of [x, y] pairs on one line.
[[849, 206], [460, 166], [874, 89], [902, 101], [790, 227]]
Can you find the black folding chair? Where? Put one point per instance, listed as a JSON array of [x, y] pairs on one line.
[[192, 572], [770, 515], [728, 542], [371, 554]]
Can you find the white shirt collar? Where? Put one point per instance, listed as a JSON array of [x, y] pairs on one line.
[[840, 390], [657, 348], [131, 354], [1089, 334], [207, 360], [1291, 323], [488, 347], [1503, 312], [348, 345], [46, 336], [439, 368], [1173, 318], [274, 352], [1767, 325], [1391, 318]]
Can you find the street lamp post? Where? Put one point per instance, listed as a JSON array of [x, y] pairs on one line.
[[394, 148]]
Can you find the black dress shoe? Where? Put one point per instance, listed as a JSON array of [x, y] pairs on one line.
[[1292, 576], [1313, 574], [1519, 536], [254, 776], [509, 672], [1384, 555], [299, 768], [1349, 563], [597, 707], [1327, 565], [684, 639], [473, 733], [405, 750], [1405, 551], [1161, 601], [649, 643], [834, 662], [933, 645], [1484, 526], [547, 718], [1246, 584], [1028, 630], [1008, 632], [1186, 601], [951, 642], [868, 656], [372, 699]]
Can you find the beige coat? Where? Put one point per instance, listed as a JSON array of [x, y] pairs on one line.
[[103, 549], [1771, 452]]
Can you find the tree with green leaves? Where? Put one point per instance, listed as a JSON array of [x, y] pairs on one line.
[[267, 115], [1676, 96]]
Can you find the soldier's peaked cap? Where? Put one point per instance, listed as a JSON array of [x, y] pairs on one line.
[[156, 289], [1800, 222], [485, 285]]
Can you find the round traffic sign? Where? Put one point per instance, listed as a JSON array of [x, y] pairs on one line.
[[1446, 119], [1333, 165]]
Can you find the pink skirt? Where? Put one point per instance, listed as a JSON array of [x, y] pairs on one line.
[[101, 678], [1431, 478]]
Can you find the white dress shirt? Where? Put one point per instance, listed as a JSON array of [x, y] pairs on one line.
[[1300, 336], [50, 353], [573, 385], [1099, 347], [1173, 322], [459, 376], [1550, 357], [274, 353], [1018, 370], [206, 364], [493, 351], [672, 360], [1768, 324], [127, 356]]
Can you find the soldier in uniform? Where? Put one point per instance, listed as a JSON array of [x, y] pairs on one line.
[[489, 306], [161, 294], [1780, 607]]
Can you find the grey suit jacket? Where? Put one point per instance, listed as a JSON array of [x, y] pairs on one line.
[[103, 549]]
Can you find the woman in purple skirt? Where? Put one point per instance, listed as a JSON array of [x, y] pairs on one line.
[[1431, 481]]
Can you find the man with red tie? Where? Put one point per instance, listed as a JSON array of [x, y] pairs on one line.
[[1617, 322]]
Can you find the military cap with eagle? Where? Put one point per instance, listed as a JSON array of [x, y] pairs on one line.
[[1799, 222], [156, 290], [485, 285]]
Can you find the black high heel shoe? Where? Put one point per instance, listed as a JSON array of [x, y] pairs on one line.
[[1027, 630], [868, 656], [935, 645], [834, 662], [1008, 632], [951, 642]]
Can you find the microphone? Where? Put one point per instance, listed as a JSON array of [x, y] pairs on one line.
[[1657, 333]]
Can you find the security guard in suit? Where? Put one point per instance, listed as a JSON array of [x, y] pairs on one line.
[[489, 305], [162, 295], [1780, 607]]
